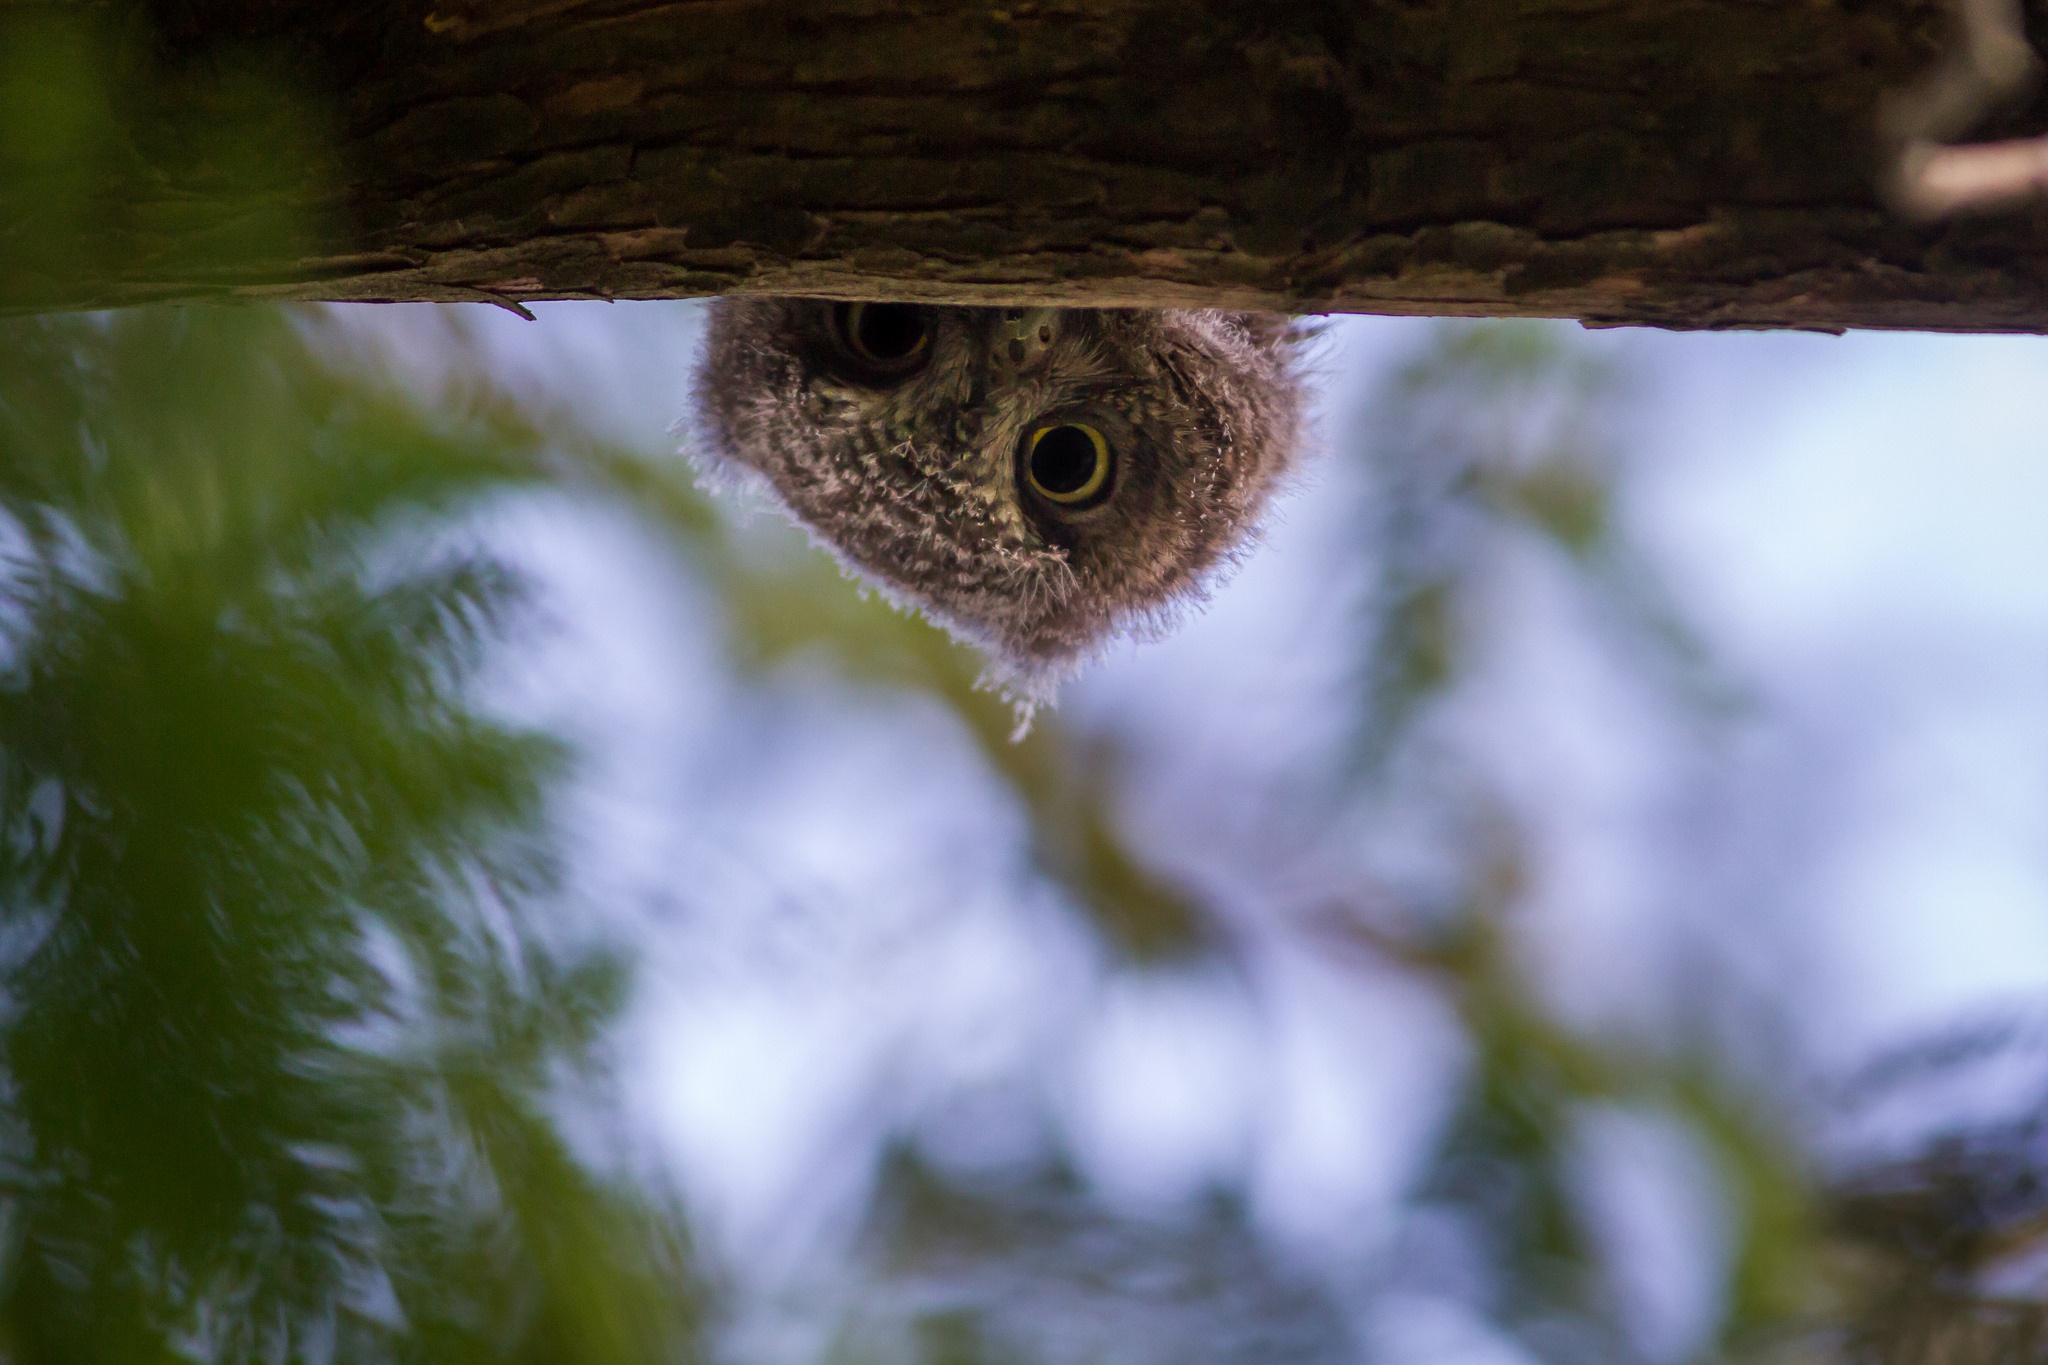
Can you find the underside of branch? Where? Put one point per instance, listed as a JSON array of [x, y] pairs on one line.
[[1688, 163]]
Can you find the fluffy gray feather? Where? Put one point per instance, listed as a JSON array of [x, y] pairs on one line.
[[1036, 480]]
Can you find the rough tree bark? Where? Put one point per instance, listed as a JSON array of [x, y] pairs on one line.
[[1696, 163]]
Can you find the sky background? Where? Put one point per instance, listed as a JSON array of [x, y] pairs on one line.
[[843, 944]]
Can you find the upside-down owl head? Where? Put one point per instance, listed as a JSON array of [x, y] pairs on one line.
[[1036, 480]]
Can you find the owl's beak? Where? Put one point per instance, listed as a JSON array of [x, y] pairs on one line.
[[1024, 335]]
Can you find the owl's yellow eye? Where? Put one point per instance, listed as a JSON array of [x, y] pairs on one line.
[[1068, 464], [888, 338]]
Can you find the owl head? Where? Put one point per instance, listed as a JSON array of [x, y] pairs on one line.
[[1036, 480]]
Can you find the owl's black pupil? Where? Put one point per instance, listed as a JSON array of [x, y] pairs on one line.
[[890, 331], [1063, 460]]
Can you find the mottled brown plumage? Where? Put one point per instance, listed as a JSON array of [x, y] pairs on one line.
[[1037, 480]]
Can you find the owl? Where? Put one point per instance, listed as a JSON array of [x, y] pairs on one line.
[[1039, 481]]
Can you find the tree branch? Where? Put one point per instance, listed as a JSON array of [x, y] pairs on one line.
[[1697, 163]]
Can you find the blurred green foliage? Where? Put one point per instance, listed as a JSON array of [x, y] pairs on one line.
[[289, 996], [284, 1016], [1494, 438]]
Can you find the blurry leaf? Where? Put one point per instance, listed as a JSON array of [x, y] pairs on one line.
[[281, 1027], [1568, 501], [1419, 646]]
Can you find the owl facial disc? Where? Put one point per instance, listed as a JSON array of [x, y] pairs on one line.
[[1038, 480]]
